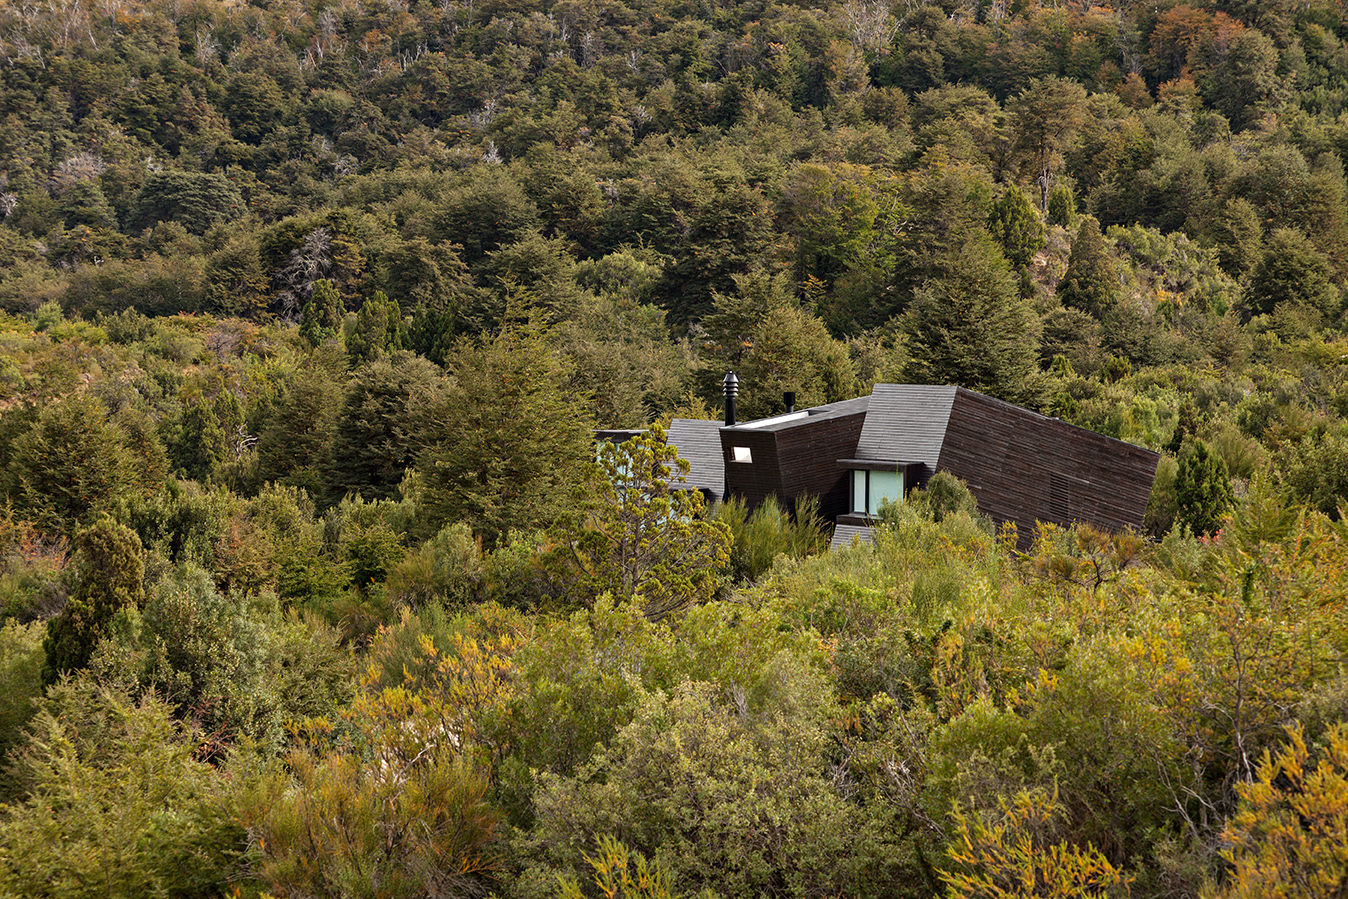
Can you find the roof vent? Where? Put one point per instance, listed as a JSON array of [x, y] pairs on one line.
[[789, 400], [732, 389]]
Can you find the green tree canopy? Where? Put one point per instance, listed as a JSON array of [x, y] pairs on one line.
[[1091, 283], [645, 535], [197, 200], [1291, 271], [971, 327], [510, 441], [111, 570], [1202, 489], [1017, 227], [383, 425], [116, 804], [75, 459]]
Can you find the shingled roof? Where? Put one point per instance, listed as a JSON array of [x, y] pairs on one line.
[[699, 442], [906, 423]]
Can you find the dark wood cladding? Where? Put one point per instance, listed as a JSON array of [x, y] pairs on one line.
[[1022, 467], [794, 460], [757, 480], [1025, 467], [810, 454]]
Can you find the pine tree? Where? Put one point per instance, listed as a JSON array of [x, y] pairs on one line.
[[1237, 235], [1202, 490], [970, 327], [1062, 206], [378, 330], [321, 319]]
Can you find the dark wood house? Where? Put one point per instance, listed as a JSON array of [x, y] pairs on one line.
[[853, 455]]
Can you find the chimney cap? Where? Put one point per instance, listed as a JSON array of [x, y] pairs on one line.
[[732, 383]]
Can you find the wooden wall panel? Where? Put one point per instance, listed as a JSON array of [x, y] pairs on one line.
[[751, 481], [1025, 467], [808, 454]]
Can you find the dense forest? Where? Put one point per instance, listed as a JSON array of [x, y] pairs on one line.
[[313, 582]]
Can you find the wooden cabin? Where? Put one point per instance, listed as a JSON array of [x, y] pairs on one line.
[[853, 455]]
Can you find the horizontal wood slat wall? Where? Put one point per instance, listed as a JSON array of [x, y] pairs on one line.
[[1025, 467]]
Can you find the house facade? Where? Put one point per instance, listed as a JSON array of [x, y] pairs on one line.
[[853, 455]]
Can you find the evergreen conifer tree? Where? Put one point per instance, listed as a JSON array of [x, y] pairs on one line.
[[972, 328], [1202, 490], [1016, 226], [110, 579], [1091, 283], [321, 319]]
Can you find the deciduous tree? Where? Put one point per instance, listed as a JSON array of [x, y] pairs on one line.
[[645, 536]]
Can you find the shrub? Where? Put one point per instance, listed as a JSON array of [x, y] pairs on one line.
[[757, 539], [115, 804], [395, 808], [447, 569], [1288, 836]]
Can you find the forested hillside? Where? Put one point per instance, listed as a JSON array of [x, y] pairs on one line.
[[310, 582]]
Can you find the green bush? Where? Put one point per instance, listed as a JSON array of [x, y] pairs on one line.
[[21, 659], [115, 804], [758, 538], [448, 568]]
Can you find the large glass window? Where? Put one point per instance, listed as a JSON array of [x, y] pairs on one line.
[[871, 488], [885, 485]]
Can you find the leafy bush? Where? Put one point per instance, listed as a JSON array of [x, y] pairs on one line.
[[392, 807], [21, 658], [447, 569], [758, 538], [1288, 835], [110, 576], [113, 802]]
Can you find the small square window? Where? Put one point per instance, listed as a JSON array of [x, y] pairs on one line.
[[741, 454]]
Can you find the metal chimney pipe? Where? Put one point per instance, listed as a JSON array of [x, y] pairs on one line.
[[732, 389], [789, 400]]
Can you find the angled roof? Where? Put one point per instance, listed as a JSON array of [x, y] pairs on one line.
[[800, 417], [906, 423], [843, 534], [699, 442]]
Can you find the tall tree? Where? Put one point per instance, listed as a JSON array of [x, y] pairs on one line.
[[74, 460], [1045, 117], [378, 329], [1237, 233], [972, 328], [761, 332], [1291, 271], [510, 440], [383, 425], [321, 318], [1017, 227]]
